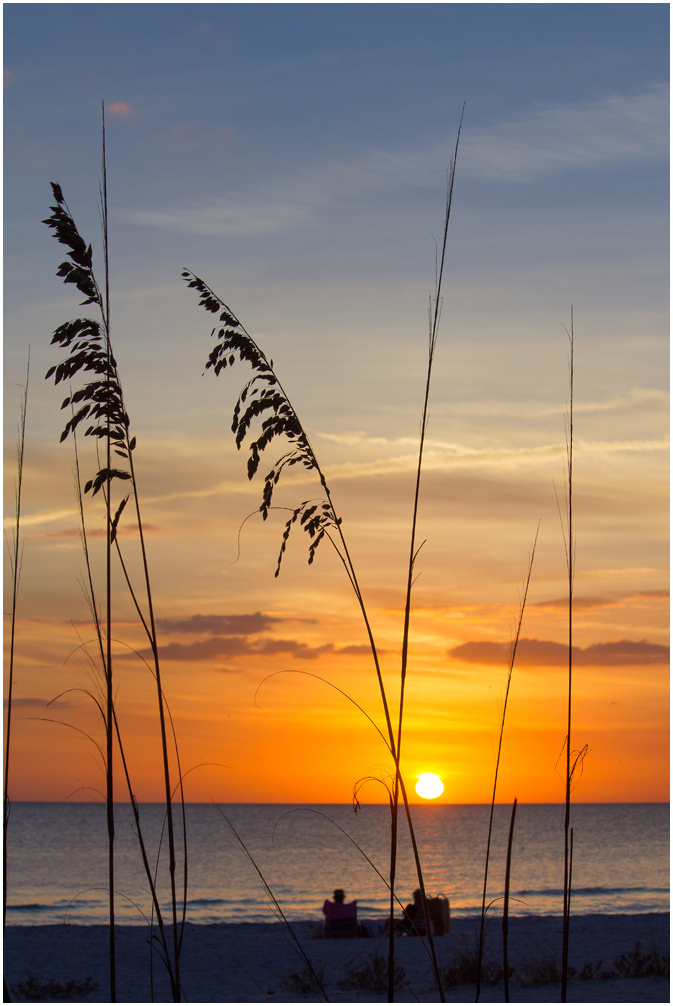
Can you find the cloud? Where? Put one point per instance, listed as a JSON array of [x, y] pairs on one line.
[[234, 636], [220, 625], [41, 517], [614, 131], [7, 78], [636, 400], [547, 653], [589, 135], [610, 601], [235, 646], [442, 456], [120, 109]]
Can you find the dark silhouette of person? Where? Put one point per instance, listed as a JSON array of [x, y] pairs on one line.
[[413, 920], [340, 916]]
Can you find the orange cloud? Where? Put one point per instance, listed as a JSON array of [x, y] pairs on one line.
[[233, 636], [582, 603], [7, 78], [121, 109], [237, 646], [547, 653], [223, 625]]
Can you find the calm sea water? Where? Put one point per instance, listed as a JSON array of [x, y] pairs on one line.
[[58, 859]]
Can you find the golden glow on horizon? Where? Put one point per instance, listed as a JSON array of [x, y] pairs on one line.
[[429, 786]]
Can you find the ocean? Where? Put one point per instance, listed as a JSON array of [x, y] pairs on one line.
[[57, 860]]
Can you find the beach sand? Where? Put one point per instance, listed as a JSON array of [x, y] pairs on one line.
[[246, 962]]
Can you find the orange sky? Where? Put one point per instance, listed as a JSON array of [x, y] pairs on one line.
[[226, 626]]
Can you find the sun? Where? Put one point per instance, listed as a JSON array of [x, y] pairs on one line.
[[429, 785]]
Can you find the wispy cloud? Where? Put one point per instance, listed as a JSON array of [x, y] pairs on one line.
[[618, 130], [547, 653], [441, 456], [614, 131], [636, 400], [40, 517]]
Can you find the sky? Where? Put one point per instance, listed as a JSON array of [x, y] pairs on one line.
[[295, 157]]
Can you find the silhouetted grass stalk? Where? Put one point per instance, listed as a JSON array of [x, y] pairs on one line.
[[505, 907], [570, 559], [108, 586], [512, 659], [279, 911], [413, 554], [15, 551], [90, 595], [91, 350], [265, 394], [319, 520]]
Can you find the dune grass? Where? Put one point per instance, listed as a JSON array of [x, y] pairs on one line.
[[510, 671], [264, 398], [101, 403]]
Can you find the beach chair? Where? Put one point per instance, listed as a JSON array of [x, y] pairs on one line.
[[341, 922]]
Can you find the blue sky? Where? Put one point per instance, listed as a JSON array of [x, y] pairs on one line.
[[295, 156], [307, 144]]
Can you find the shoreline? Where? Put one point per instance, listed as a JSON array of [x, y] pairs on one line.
[[252, 961]]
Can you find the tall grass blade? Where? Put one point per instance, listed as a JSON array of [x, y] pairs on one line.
[[570, 559], [108, 583], [505, 907], [413, 552], [15, 550], [280, 913], [512, 659]]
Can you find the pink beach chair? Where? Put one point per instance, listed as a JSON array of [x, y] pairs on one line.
[[341, 920]]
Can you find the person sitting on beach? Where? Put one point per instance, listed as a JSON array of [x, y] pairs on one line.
[[340, 916], [413, 921]]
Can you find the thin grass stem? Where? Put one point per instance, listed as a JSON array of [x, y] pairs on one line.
[[512, 659], [432, 342], [108, 588], [570, 557], [279, 910], [15, 560], [505, 906]]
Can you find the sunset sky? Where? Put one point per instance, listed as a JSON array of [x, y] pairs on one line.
[[295, 157]]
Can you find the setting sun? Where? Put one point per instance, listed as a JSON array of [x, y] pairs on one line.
[[429, 785]]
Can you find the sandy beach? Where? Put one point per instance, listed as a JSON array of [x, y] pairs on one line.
[[249, 962]]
